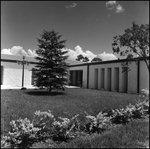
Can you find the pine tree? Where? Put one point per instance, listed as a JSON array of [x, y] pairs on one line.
[[52, 70]]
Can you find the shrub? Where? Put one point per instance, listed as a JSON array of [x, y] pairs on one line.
[[45, 131], [43, 121], [145, 93], [97, 123], [121, 116], [65, 129], [137, 111], [22, 134], [132, 135], [124, 115], [59, 130]]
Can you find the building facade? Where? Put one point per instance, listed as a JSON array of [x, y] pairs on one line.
[[106, 75]]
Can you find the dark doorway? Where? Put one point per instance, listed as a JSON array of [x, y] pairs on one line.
[[76, 77], [33, 77], [124, 81], [2, 69], [102, 78], [109, 79], [96, 78], [116, 79]]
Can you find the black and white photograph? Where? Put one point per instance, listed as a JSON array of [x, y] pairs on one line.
[[75, 74]]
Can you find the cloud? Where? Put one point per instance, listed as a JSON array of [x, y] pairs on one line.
[[119, 8], [107, 56], [6, 51], [113, 5], [73, 5], [31, 53], [78, 50], [18, 50]]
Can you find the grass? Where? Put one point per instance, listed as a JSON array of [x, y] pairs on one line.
[[133, 135], [23, 103]]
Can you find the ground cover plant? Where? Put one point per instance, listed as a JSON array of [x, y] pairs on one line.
[[17, 104], [45, 130], [133, 135]]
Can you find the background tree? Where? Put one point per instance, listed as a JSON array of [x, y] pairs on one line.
[[80, 57], [135, 41], [96, 59], [51, 71]]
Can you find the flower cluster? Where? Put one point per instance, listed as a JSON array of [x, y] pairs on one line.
[[97, 123], [44, 126], [124, 115], [145, 93], [22, 134], [65, 129]]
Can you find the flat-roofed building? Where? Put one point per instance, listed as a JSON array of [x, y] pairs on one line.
[[105, 75]]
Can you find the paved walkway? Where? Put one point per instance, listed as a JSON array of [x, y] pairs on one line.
[[17, 87], [28, 87]]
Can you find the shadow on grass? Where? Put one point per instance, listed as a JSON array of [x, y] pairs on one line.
[[44, 93]]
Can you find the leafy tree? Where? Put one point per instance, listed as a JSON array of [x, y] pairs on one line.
[[96, 59], [80, 57], [51, 71], [135, 41]]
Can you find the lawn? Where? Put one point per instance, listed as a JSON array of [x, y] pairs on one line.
[[23, 103]]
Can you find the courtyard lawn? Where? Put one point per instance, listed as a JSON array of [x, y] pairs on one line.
[[23, 103]]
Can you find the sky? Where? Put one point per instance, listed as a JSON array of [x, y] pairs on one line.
[[88, 26]]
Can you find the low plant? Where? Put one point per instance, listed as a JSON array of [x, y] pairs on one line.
[[43, 121], [97, 123], [121, 116], [45, 130], [44, 144], [137, 111], [145, 93], [65, 129], [22, 134], [133, 135]]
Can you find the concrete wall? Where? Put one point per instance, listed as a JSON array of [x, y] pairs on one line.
[[12, 74], [110, 77], [132, 78], [107, 76], [143, 76]]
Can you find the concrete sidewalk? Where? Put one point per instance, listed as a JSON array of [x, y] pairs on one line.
[[17, 87], [28, 87]]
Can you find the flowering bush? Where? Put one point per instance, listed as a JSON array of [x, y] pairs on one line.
[[43, 121], [5, 143], [58, 130], [121, 116], [22, 134], [139, 110], [44, 128], [145, 93], [97, 123], [65, 129]]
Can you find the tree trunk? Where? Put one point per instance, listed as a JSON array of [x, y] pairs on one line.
[[50, 89]]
